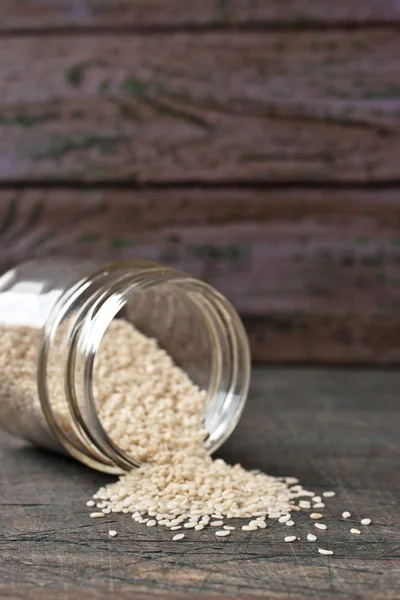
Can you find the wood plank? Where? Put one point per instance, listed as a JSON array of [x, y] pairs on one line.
[[315, 273], [322, 426], [217, 107], [32, 14]]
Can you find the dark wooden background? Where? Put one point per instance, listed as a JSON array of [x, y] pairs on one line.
[[254, 143]]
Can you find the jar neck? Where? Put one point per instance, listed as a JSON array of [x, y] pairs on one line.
[[190, 320]]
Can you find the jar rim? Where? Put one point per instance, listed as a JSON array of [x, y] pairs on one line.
[[91, 323]]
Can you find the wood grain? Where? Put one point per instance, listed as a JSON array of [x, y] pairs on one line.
[[315, 273], [218, 107], [333, 429], [190, 13]]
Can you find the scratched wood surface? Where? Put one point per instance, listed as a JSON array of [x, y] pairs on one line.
[[217, 107], [333, 429], [316, 275], [28, 14]]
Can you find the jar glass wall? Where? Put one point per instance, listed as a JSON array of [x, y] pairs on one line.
[[53, 316]]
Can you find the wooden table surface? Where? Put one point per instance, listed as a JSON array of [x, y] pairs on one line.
[[333, 429]]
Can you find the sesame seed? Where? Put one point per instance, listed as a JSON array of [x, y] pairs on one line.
[[178, 536], [289, 523], [305, 504], [249, 528], [261, 525], [97, 515], [316, 516], [355, 531], [329, 494], [284, 519], [222, 533], [291, 480], [151, 523], [346, 514], [290, 538], [112, 533], [199, 527], [320, 525], [365, 521], [319, 505], [190, 525], [311, 537], [176, 527], [229, 527], [325, 552], [90, 503], [216, 523], [316, 499]]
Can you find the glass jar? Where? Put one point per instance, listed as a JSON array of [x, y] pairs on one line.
[[53, 316]]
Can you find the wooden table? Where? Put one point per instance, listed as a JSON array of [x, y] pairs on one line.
[[333, 429]]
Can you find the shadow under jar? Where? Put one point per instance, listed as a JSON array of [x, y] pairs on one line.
[[53, 316]]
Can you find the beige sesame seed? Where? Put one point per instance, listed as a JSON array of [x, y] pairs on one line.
[[112, 533], [311, 537], [290, 538], [199, 527], [151, 523], [90, 503], [319, 505], [289, 523], [355, 531], [320, 525], [249, 528], [284, 519], [175, 527], [222, 533], [216, 523], [316, 516], [229, 527], [178, 536], [325, 552], [190, 525], [329, 494], [365, 521], [97, 515], [346, 514]]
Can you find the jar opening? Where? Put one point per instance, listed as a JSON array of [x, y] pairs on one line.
[[190, 320]]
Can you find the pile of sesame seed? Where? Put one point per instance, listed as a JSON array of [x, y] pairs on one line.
[[152, 409], [154, 412]]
